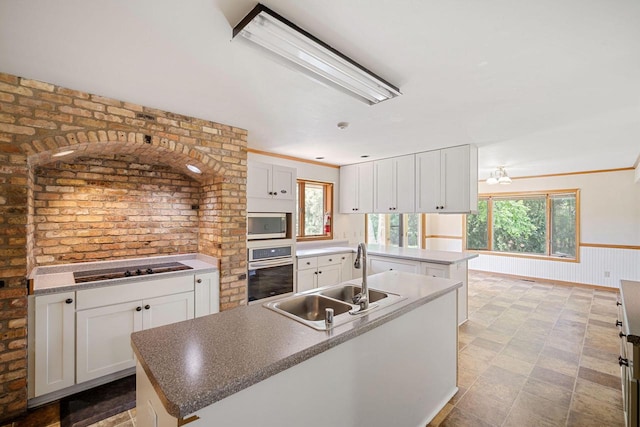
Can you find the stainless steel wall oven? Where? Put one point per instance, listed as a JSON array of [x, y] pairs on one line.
[[270, 272]]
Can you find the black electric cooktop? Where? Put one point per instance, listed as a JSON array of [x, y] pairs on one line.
[[120, 272]]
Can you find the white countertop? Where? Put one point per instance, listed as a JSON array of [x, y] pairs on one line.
[[424, 255], [59, 278]]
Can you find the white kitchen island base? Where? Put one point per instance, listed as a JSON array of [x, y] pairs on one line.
[[401, 373]]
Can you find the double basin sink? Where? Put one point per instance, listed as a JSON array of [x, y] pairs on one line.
[[310, 307]]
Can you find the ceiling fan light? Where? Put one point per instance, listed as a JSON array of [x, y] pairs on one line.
[[492, 180]]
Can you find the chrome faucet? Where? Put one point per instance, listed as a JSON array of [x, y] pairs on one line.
[[361, 262]]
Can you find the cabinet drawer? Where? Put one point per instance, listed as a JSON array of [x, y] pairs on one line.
[[329, 259], [305, 263], [434, 270], [116, 294]]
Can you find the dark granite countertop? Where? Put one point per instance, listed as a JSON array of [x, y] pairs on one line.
[[196, 363], [630, 295]]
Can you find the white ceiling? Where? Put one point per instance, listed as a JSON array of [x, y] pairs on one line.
[[541, 86]]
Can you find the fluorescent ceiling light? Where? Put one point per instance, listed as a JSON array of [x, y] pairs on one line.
[[312, 56]]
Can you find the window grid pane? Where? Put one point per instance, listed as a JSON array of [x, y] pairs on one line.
[[477, 227], [563, 225], [313, 209], [519, 225]]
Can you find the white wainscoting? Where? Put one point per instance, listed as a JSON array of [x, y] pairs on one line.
[[594, 262]]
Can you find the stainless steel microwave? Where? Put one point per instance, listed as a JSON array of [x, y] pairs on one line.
[[262, 225]]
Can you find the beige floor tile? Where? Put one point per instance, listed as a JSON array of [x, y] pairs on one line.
[[558, 365], [586, 404], [610, 367], [512, 364], [484, 406], [529, 406], [607, 395]]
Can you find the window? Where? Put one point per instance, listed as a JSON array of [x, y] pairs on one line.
[[400, 230], [539, 224], [315, 210]]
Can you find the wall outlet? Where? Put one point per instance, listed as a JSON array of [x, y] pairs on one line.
[[607, 274]]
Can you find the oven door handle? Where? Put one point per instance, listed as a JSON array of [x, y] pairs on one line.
[[265, 264]]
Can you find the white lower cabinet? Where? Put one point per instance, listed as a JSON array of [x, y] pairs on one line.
[[325, 270], [103, 334], [103, 339], [207, 294], [378, 264], [54, 342], [458, 271], [84, 335]]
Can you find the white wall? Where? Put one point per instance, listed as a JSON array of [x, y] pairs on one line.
[[609, 216], [346, 227]]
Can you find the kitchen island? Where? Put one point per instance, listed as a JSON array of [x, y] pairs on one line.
[[446, 264], [395, 365]]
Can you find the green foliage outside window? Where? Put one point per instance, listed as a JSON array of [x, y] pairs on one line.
[[520, 224]]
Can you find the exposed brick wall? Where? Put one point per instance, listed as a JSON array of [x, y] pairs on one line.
[[38, 120], [101, 209]]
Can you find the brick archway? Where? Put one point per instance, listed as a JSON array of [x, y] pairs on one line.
[[38, 119]]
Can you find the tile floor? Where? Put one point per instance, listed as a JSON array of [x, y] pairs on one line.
[[535, 354], [531, 354]]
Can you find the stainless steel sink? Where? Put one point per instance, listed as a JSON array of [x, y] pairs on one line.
[[309, 307], [347, 292]]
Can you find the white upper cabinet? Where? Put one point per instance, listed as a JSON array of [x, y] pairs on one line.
[[266, 181], [270, 188], [394, 185], [356, 188], [447, 180]]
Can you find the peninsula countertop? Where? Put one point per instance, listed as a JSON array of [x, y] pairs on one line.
[[195, 363], [424, 255], [59, 278]]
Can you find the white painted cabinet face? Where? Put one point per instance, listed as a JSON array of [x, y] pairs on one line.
[[382, 264], [207, 294], [356, 188], [316, 272], [54, 364], [394, 185], [447, 180], [104, 333], [103, 339], [270, 188]]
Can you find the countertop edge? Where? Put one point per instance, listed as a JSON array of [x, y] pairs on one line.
[[69, 269], [631, 321], [241, 383], [461, 256]]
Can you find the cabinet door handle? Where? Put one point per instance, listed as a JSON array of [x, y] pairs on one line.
[[308, 263], [623, 361], [283, 191], [147, 307], [319, 272], [68, 301], [330, 259], [199, 281], [138, 308], [315, 272], [621, 334], [618, 323], [618, 303]]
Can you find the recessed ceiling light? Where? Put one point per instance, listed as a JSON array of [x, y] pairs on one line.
[[320, 158], [364, 156], [194, 169], [63, 153], [343, 125]]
